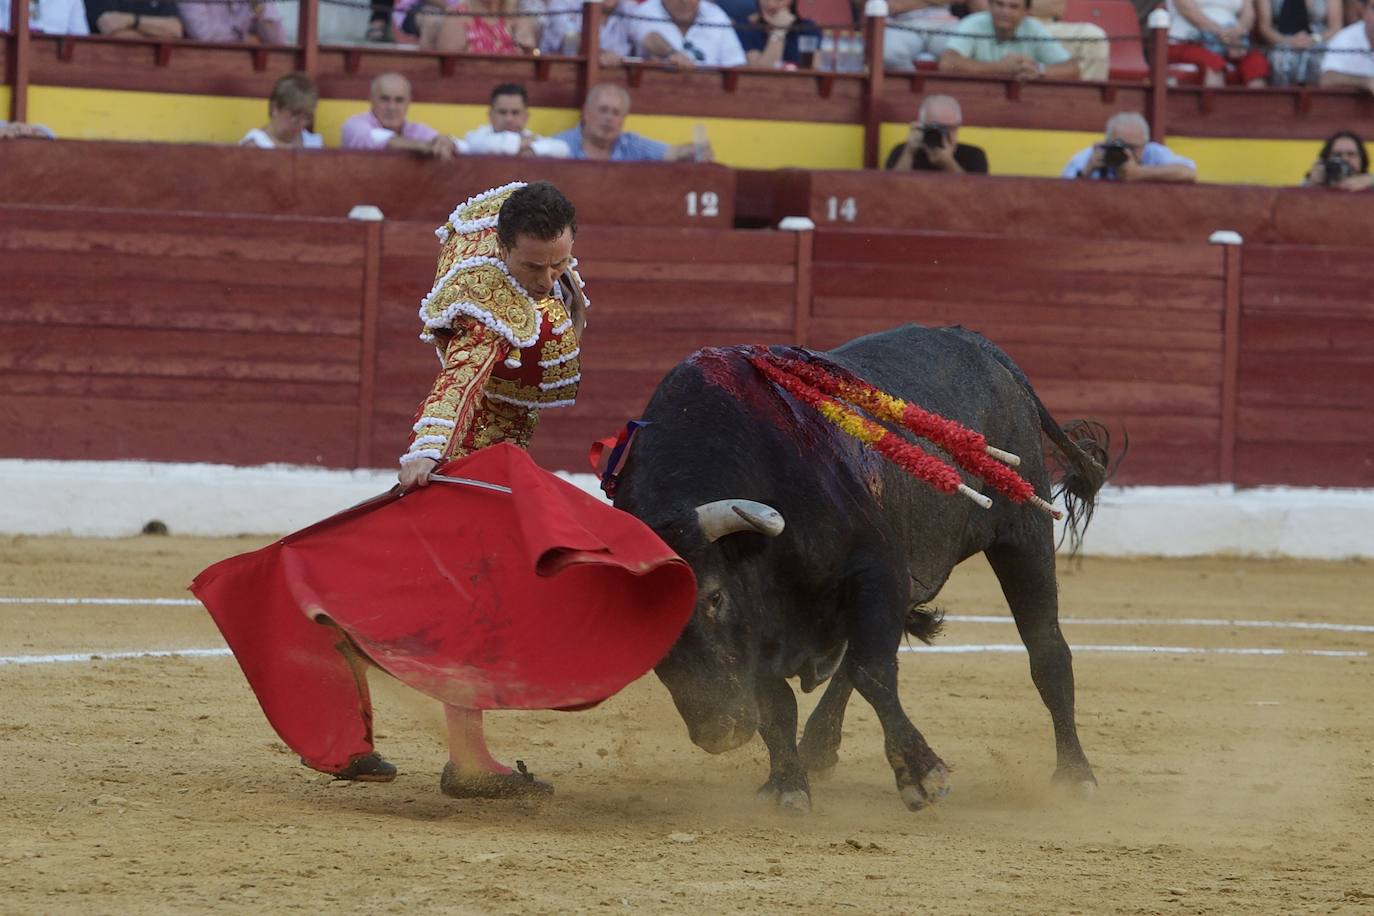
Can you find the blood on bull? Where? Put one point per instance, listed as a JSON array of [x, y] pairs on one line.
[[815, 556]]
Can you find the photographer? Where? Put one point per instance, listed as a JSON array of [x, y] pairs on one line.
[[1342, 164], [933, 142], [1127, 154]]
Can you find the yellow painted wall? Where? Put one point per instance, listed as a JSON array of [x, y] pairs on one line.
[[4, 103], [118, 115]]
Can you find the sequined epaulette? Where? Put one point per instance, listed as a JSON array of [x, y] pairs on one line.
[[480, 288]]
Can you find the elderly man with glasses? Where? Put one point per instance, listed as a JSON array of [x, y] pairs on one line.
[[1128, 154], [686, 33]]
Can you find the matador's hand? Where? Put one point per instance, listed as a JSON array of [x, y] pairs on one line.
[[416, 473]]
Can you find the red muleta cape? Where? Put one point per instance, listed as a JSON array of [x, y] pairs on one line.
[[543, 598]]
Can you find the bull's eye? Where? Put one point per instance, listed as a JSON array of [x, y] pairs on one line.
[[713, 604]]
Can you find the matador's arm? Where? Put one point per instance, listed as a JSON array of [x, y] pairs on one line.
[[445, 416]]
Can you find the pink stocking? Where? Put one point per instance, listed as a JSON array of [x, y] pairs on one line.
[[466, 746]]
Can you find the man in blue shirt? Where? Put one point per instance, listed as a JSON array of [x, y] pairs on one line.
[[601, 134], [1128, 155]]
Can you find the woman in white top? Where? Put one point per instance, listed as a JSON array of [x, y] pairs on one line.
[[290, 111]]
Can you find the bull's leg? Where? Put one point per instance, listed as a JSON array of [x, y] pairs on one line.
[[878, 610], [786, 785], [820, 743], [1027, 579]]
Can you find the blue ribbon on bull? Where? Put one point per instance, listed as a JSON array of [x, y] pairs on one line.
[[619, 445]]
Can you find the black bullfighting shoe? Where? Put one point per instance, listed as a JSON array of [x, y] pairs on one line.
[[367, 768], [521, 784]]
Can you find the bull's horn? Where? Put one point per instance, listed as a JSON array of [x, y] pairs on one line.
[[726, 516]]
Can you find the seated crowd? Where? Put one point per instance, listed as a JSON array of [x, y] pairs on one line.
[[1242, 42], [1125, 153]]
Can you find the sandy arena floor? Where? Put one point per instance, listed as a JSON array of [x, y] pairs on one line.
[[1229, 783]]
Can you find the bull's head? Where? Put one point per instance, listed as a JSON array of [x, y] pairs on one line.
[[710, 671]]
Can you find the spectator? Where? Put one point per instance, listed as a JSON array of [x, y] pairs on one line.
[[1129, 155], [1295, 36], [1085, 41], [385, 125], [469, 26], [290, 110], [232, 21], [916, 28], [563, 30], [1343, 163], [600, 134], [18, 130], [933, 142], [52, 17], [1348, 61], [1213, 34], [506, 134], [774, 34], [1005, 41], [686, 33], [134, 18]]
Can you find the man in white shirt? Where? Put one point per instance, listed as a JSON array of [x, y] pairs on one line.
[[563, 30], [53, 17], [686, 33], [1348, 61], [506, 134]]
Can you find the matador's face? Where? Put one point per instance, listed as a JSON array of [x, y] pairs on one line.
[[536, 264]]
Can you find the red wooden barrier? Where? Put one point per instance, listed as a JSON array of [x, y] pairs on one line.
[[232, 179], [1051, 207]]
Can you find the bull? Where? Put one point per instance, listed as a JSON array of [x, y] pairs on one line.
[[814, 556]]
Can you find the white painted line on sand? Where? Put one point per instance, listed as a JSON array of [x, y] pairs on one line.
[[109, 656], [1146, 650], [953, 618], [945, 650]]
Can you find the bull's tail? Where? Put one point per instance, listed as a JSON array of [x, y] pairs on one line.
[[925, 623], [1080, 459]]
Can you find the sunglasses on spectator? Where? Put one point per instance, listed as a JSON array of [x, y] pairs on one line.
[[693, 50]]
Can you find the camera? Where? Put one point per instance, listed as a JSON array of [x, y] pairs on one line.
[[1335, 170], [934, 135], [1114, 156]]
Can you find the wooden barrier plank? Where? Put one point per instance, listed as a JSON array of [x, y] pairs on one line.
[[47, 268], [173, 354], [874, 314], [1019, 255], [1307, 294], [1050, 360], [1317, 260], [1300, 382], [120, 429], [1300, 465], [160, 388], [1013, 326], [1301, 333], [1179, 398], [1125, 291], [1319, 426]]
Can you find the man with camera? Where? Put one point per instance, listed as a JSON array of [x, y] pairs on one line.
[[1128, 154], [933, 142]]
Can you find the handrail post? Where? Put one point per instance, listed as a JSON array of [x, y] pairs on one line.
[[589, 74], [1158, 24], [1232, 246], [19, 61], [308, 36], [875, 25]]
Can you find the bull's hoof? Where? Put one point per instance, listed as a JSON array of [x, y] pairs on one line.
[[521, 784], [932, 787], [367, 768], [1076, 781], [793, 801]]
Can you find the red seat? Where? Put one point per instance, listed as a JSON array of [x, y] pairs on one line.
[[1118, 19], [828, 13]]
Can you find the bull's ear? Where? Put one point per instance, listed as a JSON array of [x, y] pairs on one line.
[[728, 516]]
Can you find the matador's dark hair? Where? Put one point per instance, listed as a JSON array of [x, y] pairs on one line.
[[538, 210]]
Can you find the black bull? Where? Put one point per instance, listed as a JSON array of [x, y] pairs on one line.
[[829, 589]]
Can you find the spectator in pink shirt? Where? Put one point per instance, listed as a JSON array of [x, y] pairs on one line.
[[386, 127], [232, 21]]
